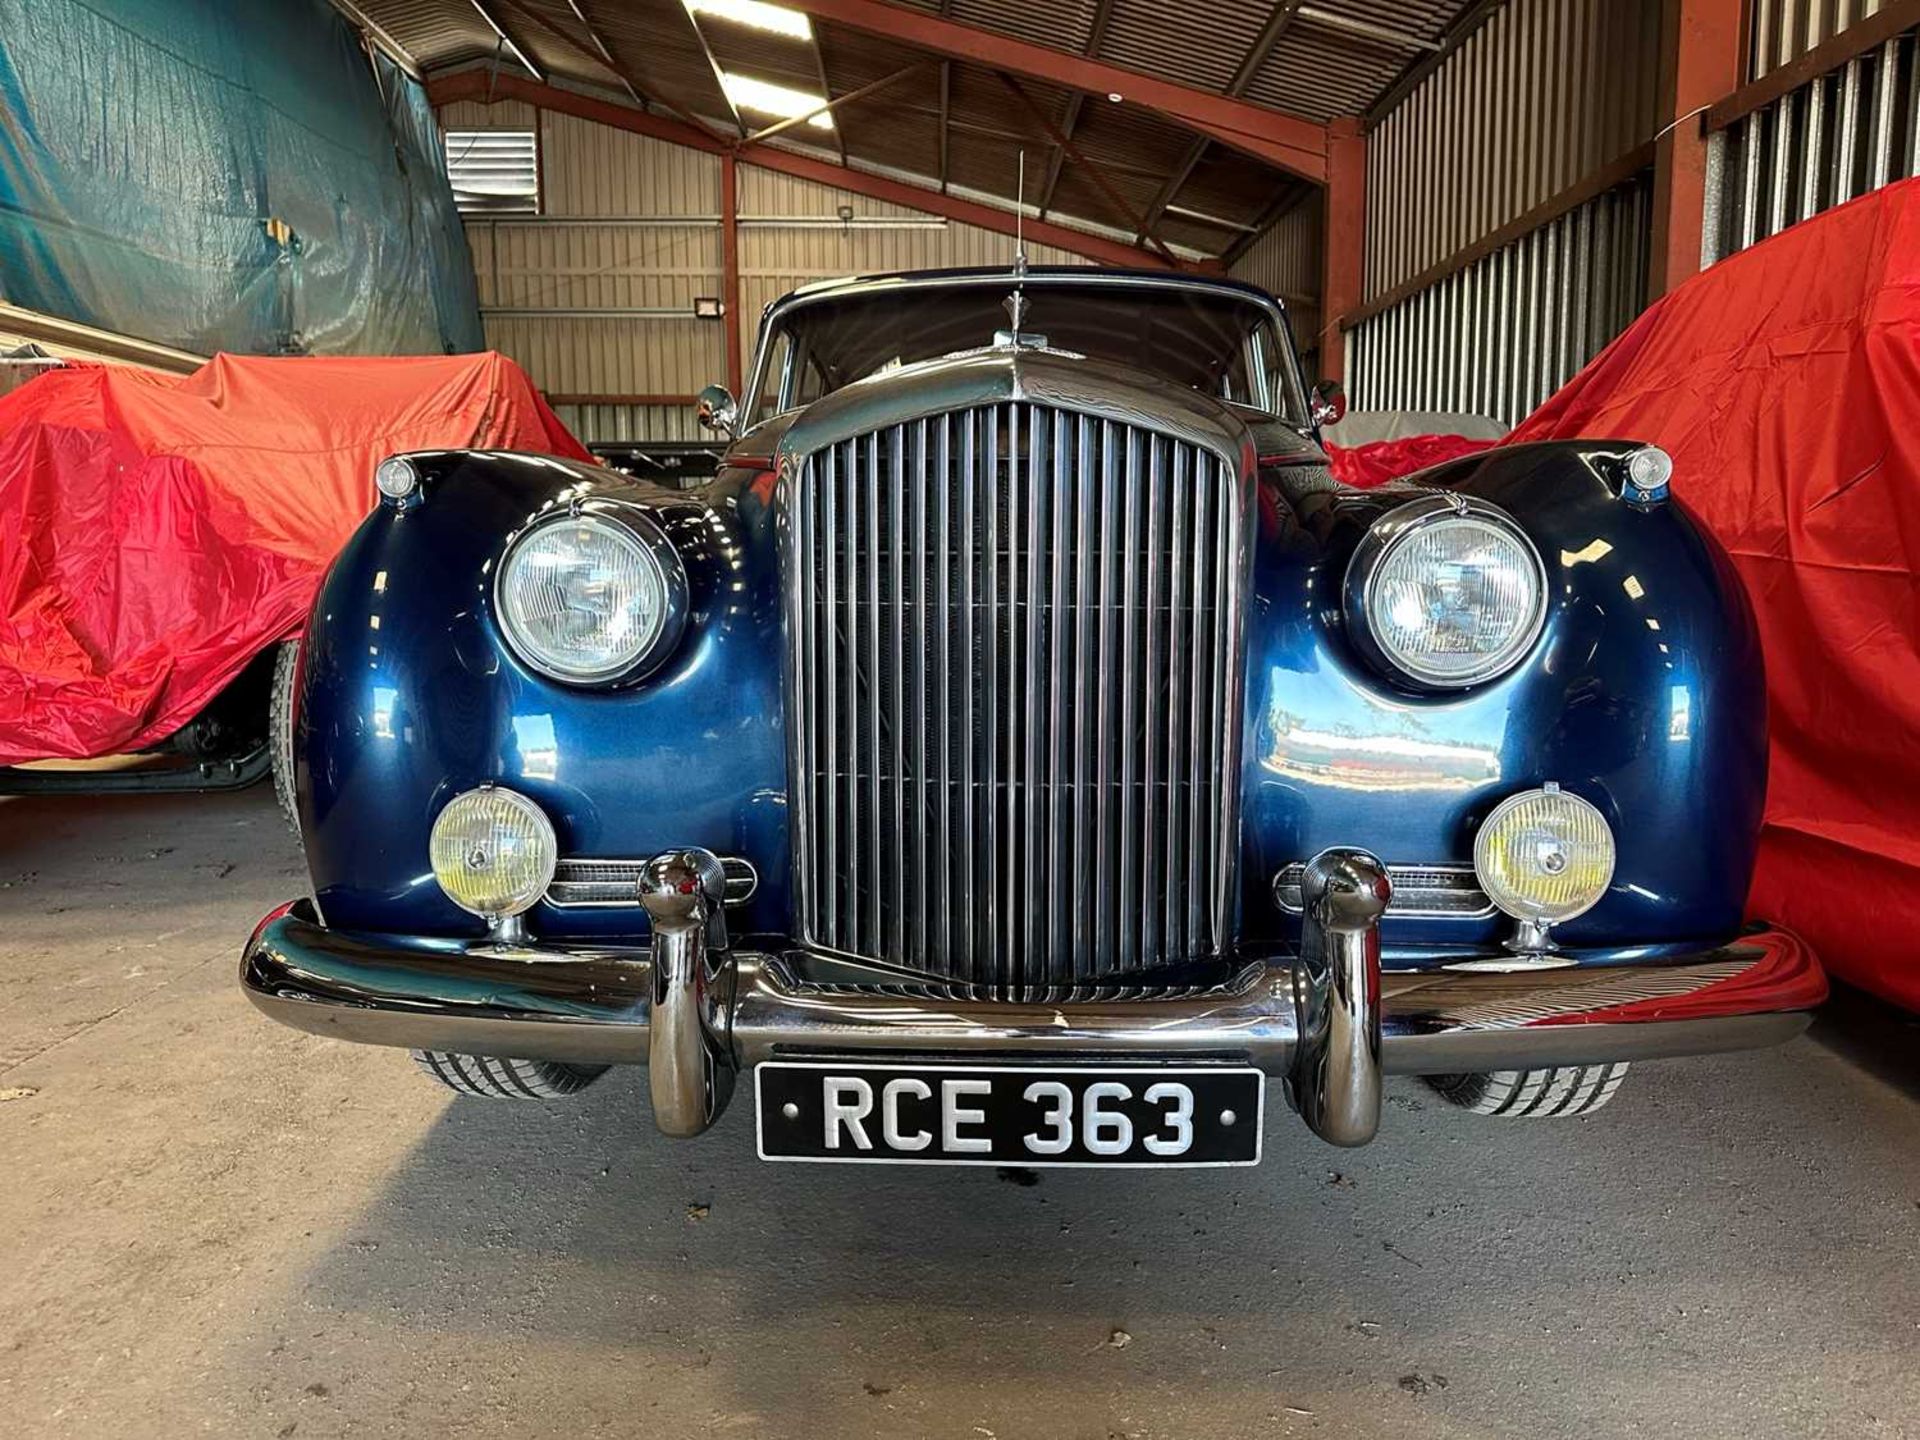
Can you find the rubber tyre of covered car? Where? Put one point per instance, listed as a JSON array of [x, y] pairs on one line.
[[492, 1078], [286, 670], [1532, 1094]]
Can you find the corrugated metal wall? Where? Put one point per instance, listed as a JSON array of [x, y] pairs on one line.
[[594, 296], [1842, 134], [1542, 94], [1286, 261], [1784, 30], [1500, 336]]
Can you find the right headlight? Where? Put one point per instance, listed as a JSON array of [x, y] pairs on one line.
[[1445, 592], [592, 597]]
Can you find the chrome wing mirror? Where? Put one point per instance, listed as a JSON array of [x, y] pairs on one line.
[[718, 410], [1329, 404]]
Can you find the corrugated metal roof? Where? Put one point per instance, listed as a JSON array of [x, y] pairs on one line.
[[1317, 70]]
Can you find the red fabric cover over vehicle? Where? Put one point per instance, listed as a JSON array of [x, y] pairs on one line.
[[1375, 463], [1785, 383], [157, 532]]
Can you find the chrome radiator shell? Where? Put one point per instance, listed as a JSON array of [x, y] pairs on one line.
[[1014, 629]]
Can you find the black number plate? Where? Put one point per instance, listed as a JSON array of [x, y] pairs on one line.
[[1009, 1114]]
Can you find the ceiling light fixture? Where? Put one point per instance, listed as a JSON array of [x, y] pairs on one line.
[[766, 98], [757, 15]]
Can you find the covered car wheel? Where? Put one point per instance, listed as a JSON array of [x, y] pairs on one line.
[[286, 668], [496, 1079], [1566, 1090]]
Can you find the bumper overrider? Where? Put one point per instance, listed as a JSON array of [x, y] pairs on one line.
[[1329, 1021]]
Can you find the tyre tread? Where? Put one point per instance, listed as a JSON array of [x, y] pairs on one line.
[[1563, 1090], [492, 1077]]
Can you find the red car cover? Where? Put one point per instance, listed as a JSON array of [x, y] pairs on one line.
[[157, 532], [1378, 461], [1785, 383]]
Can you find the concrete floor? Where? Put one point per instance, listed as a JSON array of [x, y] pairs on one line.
[[215, 1225]]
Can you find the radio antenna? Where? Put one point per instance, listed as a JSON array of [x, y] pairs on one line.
[[1020, 220]]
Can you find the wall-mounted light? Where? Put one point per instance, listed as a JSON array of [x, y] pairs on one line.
[[708, 307]]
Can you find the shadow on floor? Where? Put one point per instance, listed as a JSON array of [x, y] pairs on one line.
[[1879, 1037]]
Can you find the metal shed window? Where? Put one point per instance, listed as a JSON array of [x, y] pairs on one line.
[[494, 172]]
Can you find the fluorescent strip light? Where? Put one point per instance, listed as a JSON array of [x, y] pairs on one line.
[[781, 101], [756, 15]]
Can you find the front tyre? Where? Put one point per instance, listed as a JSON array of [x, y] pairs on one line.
[[1516, 1094], [286, 670], [492, 1078]]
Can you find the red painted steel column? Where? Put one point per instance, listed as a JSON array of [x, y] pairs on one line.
[[1700, 62], [730, 263], [1344, 252]]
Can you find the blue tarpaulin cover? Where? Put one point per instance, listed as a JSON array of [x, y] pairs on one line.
[[225, 175]]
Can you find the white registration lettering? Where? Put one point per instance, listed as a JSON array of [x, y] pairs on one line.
[[890, 1130], [1059, 1115], [849, 1100], [1181, 1118], [1107, 1132], [953, 1115]]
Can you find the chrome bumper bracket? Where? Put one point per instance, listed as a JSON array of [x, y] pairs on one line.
[[1336, 1076]]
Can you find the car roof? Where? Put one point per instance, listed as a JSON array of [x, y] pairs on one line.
[[1036, 274]]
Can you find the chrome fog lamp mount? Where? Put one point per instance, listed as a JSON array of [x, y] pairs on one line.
[[1544, 857], [493, 852], [1444, 592], [593, 596]]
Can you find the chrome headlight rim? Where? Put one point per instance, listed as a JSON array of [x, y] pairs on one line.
[[1368, 562], [663, 558]]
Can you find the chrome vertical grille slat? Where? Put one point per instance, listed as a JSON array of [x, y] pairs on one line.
[[1014, 681]]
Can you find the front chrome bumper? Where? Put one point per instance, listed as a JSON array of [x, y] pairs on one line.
[[1329, 1022]]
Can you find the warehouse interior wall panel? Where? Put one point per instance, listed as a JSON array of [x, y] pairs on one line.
[[1459, 157], [1501, 335], [1838, 136], [594, 424], [595, 294], [1286, 261], [591, 169]]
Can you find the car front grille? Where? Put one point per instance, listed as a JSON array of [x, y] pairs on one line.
[[1014, 680]]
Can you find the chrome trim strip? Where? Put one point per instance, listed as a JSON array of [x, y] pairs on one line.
[[592, 882], [1419, 891], [1000, 377]]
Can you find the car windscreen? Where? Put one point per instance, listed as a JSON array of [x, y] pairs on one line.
[[1191, 337]]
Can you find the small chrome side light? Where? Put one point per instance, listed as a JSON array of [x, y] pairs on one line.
[[397, 479], [1649, 474]]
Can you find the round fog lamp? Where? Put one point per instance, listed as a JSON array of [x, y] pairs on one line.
[[1544, 855], [493, 851]]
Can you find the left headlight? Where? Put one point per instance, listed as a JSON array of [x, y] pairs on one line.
[[592, 597], [1445, 592]]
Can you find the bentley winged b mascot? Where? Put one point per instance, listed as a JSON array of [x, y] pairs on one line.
[[1023, 751]]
